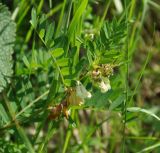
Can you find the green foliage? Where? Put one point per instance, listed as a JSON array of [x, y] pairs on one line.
[[9, 147], [76, 56], [7, 38], [112, 35]]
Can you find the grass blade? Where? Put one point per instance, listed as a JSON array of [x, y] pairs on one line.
[[76, 18], [137, 109], [150, 148]]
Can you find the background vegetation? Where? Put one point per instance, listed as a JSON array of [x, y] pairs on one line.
[[47, 46]]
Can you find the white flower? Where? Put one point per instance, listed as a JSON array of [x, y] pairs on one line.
[[104, 85], [81, 91], [89, 35]]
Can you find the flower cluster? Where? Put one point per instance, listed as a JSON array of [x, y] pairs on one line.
[[77, 95], [100, 76]]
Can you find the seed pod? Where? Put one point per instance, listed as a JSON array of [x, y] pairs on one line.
[[56, 111]]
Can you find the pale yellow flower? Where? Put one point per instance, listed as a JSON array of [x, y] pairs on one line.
[[104, 85], [81, 91]]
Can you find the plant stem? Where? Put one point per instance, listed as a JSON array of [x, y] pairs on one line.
[[105, 13], [20, 131], [126, 82], [68, 135], [60, 18]]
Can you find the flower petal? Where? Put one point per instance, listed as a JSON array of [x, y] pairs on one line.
[[104, 85], [81, 91]]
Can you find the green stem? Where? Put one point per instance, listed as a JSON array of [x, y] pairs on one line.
[[60, 18], [29, 33], [49, 134], [105, 13], [20, 131], [23, 110], [140, 75], [132, 9], [54, 10], [124, 111], [68, 135]]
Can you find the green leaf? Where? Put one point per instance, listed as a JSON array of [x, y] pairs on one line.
[[34, 18], [152, 147], [7, 38], [8, 146], [65, 71], [112, 35], [49, 32], [63, 62], [53, 89], [3, 115], [42, 33], [26, 62], [97, 102], [89, 55], [76, 17], [57, 52], [68, 82], [137, 109], [102, 100], [117, 102]]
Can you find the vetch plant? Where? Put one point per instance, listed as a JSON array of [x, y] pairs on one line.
[[71, 80]]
